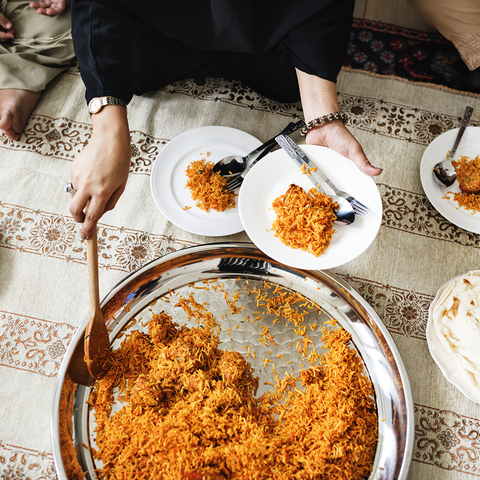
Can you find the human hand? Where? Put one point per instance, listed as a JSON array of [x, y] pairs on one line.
[[6, 29], [319, 97], [99, 173], [49, 7], [337, 137]]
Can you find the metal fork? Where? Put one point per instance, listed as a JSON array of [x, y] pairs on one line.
[[235, 182], [359, 208]]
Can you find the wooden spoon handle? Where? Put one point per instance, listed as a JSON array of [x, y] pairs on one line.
[[92, 263]]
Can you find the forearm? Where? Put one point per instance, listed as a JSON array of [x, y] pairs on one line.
[[318, 96], [112, 121], [100, 171]]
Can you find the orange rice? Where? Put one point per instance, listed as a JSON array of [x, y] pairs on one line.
[[208, 189], [464, 167], [190, 410], [304, 220]]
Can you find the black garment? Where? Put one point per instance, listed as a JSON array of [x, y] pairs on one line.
[[127, 48]]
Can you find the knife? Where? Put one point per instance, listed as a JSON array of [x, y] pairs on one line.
[[297, 154]]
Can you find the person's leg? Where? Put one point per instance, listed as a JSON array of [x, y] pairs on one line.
[[459, 22], [159, 60], [26, 69], [269, 74], [15, 107]]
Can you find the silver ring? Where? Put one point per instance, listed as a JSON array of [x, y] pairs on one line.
[[69, 188]]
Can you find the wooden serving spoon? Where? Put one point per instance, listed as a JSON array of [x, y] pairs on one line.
[[97, 342]]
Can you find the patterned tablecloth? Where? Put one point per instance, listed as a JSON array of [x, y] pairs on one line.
[[43, 294]]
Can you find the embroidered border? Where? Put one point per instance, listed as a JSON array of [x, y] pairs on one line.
[[32, 344], [21, 463], [57, 236], [403, 312], [64, 139], [447, 440]]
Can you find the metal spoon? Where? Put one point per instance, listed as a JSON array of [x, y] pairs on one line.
[[235, 164], [444, 172], [345, 213]]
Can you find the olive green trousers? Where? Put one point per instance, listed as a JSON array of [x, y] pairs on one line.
[[42, 47]]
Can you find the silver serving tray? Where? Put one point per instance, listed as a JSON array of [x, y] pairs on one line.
[[241, 262]]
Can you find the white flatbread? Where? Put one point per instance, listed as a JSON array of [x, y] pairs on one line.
[[456, 318]]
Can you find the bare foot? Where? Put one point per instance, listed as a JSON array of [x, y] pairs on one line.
[[15, 108]]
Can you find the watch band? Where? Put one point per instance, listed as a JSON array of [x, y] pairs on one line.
[[97, 103]]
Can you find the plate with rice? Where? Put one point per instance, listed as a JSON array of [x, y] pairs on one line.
[[169, 178], [445, 199], [272, 178]]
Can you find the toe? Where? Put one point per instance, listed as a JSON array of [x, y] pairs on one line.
[[6, 120], [11, 134]]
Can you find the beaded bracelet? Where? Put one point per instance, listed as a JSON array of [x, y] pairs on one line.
[[321, 120]]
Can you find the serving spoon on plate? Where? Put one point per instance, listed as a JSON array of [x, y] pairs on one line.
[[444, 172]]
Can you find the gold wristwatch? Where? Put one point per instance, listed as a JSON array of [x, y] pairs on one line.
[[97, 103]]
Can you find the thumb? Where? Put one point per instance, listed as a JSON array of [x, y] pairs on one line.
[[362, 162], [5, 22], [357, 155]]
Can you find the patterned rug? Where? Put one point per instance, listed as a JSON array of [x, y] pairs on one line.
[[421, 57]]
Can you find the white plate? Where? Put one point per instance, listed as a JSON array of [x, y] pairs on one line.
[[168, 178], [445, 361], [434, 153], [271, 177]]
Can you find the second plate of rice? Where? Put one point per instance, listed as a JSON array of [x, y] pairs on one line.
[[271, 178], [442, 198]]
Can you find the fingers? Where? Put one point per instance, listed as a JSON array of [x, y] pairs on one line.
[[370, 170], [5, 22], [47, 11], [94, 211], [49, 7], [10, 134], [40, 6], [6, 30], [110, 205], [77, 206], [88, 211]]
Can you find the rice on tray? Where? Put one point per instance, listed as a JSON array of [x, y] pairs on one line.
[[190, 412]]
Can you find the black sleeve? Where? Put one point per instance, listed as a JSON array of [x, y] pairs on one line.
[[103, 32], [318, 46]]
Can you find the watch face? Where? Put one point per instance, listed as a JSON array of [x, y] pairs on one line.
[[95, 105]]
